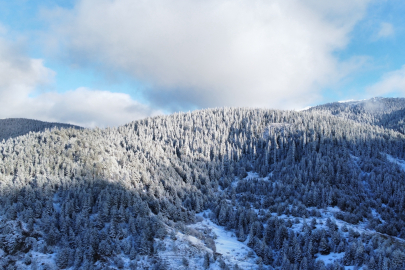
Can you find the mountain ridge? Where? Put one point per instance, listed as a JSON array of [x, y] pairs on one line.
[[296, 190], [385, 112], [14, 127]]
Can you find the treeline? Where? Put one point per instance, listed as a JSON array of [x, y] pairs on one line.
[[14, 127]]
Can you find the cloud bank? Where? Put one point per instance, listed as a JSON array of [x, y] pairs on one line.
[[87, 107], [276, 53], [22, 76]]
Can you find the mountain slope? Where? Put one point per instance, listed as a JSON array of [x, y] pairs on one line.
[[14, 127], [294, 188], [384, 112]]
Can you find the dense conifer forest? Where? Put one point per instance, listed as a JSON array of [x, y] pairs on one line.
[[317, 189], [14, 127], [384, 112]]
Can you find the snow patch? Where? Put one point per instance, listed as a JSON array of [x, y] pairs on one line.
[[252, 175], [377, 215], [232, 251], [42, 261], [330, 258], [182, 246], [398, 161]]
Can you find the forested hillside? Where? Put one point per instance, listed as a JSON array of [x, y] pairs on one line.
[[384, 112], [229, 188], [14, 127]]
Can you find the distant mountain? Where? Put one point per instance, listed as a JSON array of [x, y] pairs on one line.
[[230, 188], [384, 112], [14, 127]]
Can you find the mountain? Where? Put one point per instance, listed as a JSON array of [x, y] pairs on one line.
[[14, 127], [230, 188], [384, 112]]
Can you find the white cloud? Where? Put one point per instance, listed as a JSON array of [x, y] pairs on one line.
[[215, 52], [20, 76], [391, 82], [386, 30], [88, 108]]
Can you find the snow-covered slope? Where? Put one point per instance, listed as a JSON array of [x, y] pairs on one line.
[[384, 112], [213, 189], [400, 162]]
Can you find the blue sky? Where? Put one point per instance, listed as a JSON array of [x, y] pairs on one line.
[[106, 63]]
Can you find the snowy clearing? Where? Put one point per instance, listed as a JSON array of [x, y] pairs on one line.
[[232, 251], [330, 258], [398, 161]]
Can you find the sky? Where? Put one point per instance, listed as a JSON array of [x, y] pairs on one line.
[[109, 62]]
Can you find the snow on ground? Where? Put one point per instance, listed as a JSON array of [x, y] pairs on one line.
[[355, 159], [183, 246], [233, 252], [235, 181], [353, 267], [398, 161], [40, 261], [227, 243], [252, 175], [56, 204], [330, 258], [377, 215]]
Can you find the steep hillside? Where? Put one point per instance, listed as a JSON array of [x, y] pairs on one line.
[[296, 190], [14, 127]]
